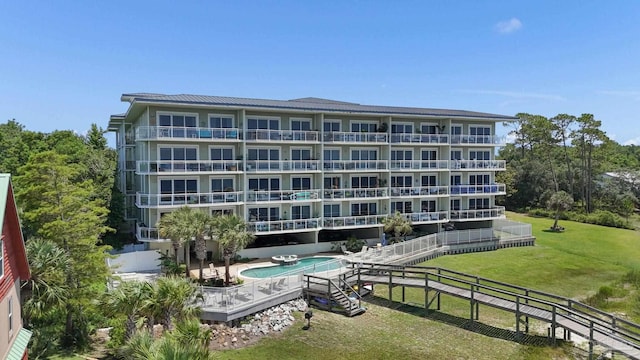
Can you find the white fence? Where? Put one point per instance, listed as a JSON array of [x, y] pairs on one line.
[[138, 261]]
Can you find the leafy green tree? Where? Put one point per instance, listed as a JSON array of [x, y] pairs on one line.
[[176, 226], [587, 138], [175, 297], [397, 225], [65, 211], [559, 202], [232, 235]]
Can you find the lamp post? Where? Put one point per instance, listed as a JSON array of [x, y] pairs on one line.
[[308, 315]]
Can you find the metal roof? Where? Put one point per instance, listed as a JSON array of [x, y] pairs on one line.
[[19, 345], [304, 104]]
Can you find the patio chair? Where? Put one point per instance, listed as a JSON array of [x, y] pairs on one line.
[[345, 251]]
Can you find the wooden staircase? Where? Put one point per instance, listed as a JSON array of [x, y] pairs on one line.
[[327, 294]]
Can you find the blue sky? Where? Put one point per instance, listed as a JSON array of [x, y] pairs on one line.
[[64, 64]]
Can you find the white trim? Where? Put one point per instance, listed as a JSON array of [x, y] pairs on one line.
[[333, 121], [176, 146], [175, 113], [301, 176], [210, 115]]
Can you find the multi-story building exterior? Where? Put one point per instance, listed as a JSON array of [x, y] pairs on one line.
[[308, 171], [14, 268]]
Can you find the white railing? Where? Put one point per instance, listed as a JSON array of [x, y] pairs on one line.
[[283, 195], [353, 221], [281, 135], [419, 139], [449, 238], [221, 197], [281, 165], [427, 217], [188, 166], [478, 189], [351, 137], [264, 227], [511, 230], [419, 191], [479, 214], [491, 140], [145, 233], [478, 165], [189, 133], [351, 165], [419, 164], [363, 193]]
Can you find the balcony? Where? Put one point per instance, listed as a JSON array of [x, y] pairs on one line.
[[488, 189], [353, 137], [192, 199], [282, 165], [419, 191], [413, 165], [189, 166], [427, 217], [352, 221], [283, 226], [361, 193], [148, 234], [478, 214], [419, 139], [479, 140], [478, 165], [283, 195], [259, 135], [187, 133], [351, 165]]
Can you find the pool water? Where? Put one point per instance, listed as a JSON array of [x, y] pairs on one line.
[[321, 264]]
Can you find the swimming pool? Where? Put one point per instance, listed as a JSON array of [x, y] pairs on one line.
[[310, 265]]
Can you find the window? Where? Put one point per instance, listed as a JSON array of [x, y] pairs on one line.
[[300, 183], [363, 209], [301, 212], [263, 123], [332, 182], [300, 154], [479, 130], [332, 210], [177, 120], [428, 206], [178, 153], [429, 180], [363, 127], [479, 155], [220, 121], [429, 155], [401, 155], [177, 186], [401, 128], [220, 185], [221, 153], [364, 154], [455, 204], [359, 182], [263, 154], [225, 212], [330, 126], [403, 207], [429, 129], [401, 181], [331, 154], [479, 179], [482, 203], [10, 317], [301, 124], [264, 214], [456, 129], [264, 184], [456, 179]]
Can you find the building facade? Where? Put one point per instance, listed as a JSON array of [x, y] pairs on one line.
[[305, 172], [14, 268]]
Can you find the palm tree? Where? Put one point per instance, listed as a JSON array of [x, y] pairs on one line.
[[559, 202], [201, 222], [46, 290], [175, 296], [178, 226], [188, 341], [397, 225], [231, 232], [130, 298]]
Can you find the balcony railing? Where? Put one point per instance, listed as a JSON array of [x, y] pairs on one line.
[[491, 140], [144, 233], [207, 199], [353, 221], [419, 138], [427, 217], [262, 227], [354, 137], [419, 165], [493, 189], [281, 165], [419, 191], [478, 165], [363, 193], [190, 166], [350, 165], [188, 133], [283, 195], [478, 214], [282, 135]]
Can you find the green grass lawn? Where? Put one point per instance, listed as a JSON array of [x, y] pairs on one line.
[[575, 263]]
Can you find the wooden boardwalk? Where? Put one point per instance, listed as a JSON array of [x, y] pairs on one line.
[[614, 334]]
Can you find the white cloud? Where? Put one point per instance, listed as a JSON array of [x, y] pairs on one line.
[[634, 141], [516, 94], [509, 26]]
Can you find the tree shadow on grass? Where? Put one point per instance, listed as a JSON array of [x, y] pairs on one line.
[[464, 323]]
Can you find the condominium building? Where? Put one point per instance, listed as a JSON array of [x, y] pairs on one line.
[[305, 172]]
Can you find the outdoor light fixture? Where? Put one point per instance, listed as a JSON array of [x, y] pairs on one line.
[[308, 315]]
